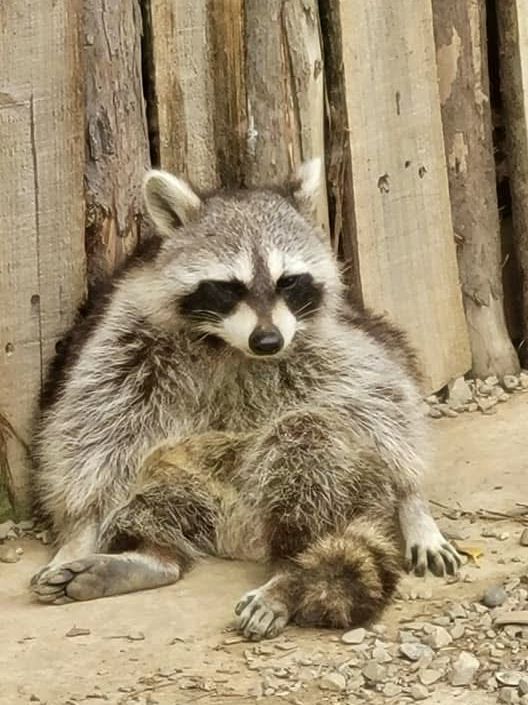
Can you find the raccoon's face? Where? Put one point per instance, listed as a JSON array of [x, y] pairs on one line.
[[246, 267]]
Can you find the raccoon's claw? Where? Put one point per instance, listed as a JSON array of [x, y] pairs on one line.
[[439, 557], [259, 617]]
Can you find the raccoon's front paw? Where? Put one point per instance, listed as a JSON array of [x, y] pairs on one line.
[[427, 548], [260, 617]]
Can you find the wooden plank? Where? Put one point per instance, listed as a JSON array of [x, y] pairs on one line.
[[512, 19], [41, 191], [184, 91], [284, 83], [227, 59], [462, 60], [403, 237], [117, 151]]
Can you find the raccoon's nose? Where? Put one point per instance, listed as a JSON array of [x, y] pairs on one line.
[[266, 341]]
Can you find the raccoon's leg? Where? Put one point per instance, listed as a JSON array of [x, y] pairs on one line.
[[102, 575], [307, 479], [147, 543], [341, 580], [425, 546]]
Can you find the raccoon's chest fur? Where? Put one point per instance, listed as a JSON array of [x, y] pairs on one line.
[[245, 397]]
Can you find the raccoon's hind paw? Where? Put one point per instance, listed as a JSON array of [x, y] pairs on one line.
[[260, 616]]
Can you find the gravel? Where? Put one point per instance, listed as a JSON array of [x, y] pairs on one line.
[[470, 395]]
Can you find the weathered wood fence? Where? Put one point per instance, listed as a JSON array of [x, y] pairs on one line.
[[422, 129]]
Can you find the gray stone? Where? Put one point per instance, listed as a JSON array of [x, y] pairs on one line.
[[494, 596], [5, 528], [8, 554], [418, 692], [510, 382], [509, 678], [381, 655], [406, 637], [26, 525], [491, 381], [457, 611], [523, 686], [438, 637], [524, 538], [435, 413], [432, 399], [508, 695], [415, 651], [523, 380], [457, 631], [354, 636], [335, 682], [429, 676], [465, 667], [391, 690], [487, 405], [374, 672], [459, 393], [447, 410]]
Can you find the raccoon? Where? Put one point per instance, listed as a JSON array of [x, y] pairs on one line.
[[228, 400]]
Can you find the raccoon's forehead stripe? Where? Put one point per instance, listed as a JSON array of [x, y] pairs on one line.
[[280, 262], [240, 268]]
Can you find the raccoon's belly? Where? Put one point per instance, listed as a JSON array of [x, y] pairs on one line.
[[240, 532]]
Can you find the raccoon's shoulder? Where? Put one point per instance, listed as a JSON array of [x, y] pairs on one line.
[[391, 338], [89, 317]]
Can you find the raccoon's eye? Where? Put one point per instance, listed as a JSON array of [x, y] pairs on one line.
[[288, 281]]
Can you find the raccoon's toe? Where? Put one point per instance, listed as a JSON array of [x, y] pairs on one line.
[[49, 584], [439, 556], [260, 617]]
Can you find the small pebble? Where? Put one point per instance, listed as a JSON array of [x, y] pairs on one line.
[[374, 672], [415, 651], [438, 637], [509, 696], [435, 413], [465, 667], [335, 682], [523, 686], [494, 596], [510, 382], [5, 528], [509, 678], [78, 631], [457, 631], [8, 554], [391, 690], [355, 636], [418, 692], [524, 538], [429, 676]]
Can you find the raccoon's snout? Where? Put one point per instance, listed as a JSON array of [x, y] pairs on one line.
[[266, 340]]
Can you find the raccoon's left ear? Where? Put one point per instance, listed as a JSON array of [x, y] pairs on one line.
[[170, 201], [307, 187]]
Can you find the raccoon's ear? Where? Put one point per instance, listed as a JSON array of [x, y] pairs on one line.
[[170, 201], [307, 187]]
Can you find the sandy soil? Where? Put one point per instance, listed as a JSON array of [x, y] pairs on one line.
[[173, 646]]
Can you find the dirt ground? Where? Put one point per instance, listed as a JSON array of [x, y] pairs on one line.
[[173, 646]]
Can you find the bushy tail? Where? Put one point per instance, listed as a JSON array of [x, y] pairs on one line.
[[346, 580]]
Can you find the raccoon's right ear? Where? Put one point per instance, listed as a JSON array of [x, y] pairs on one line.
[[170, 201]]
